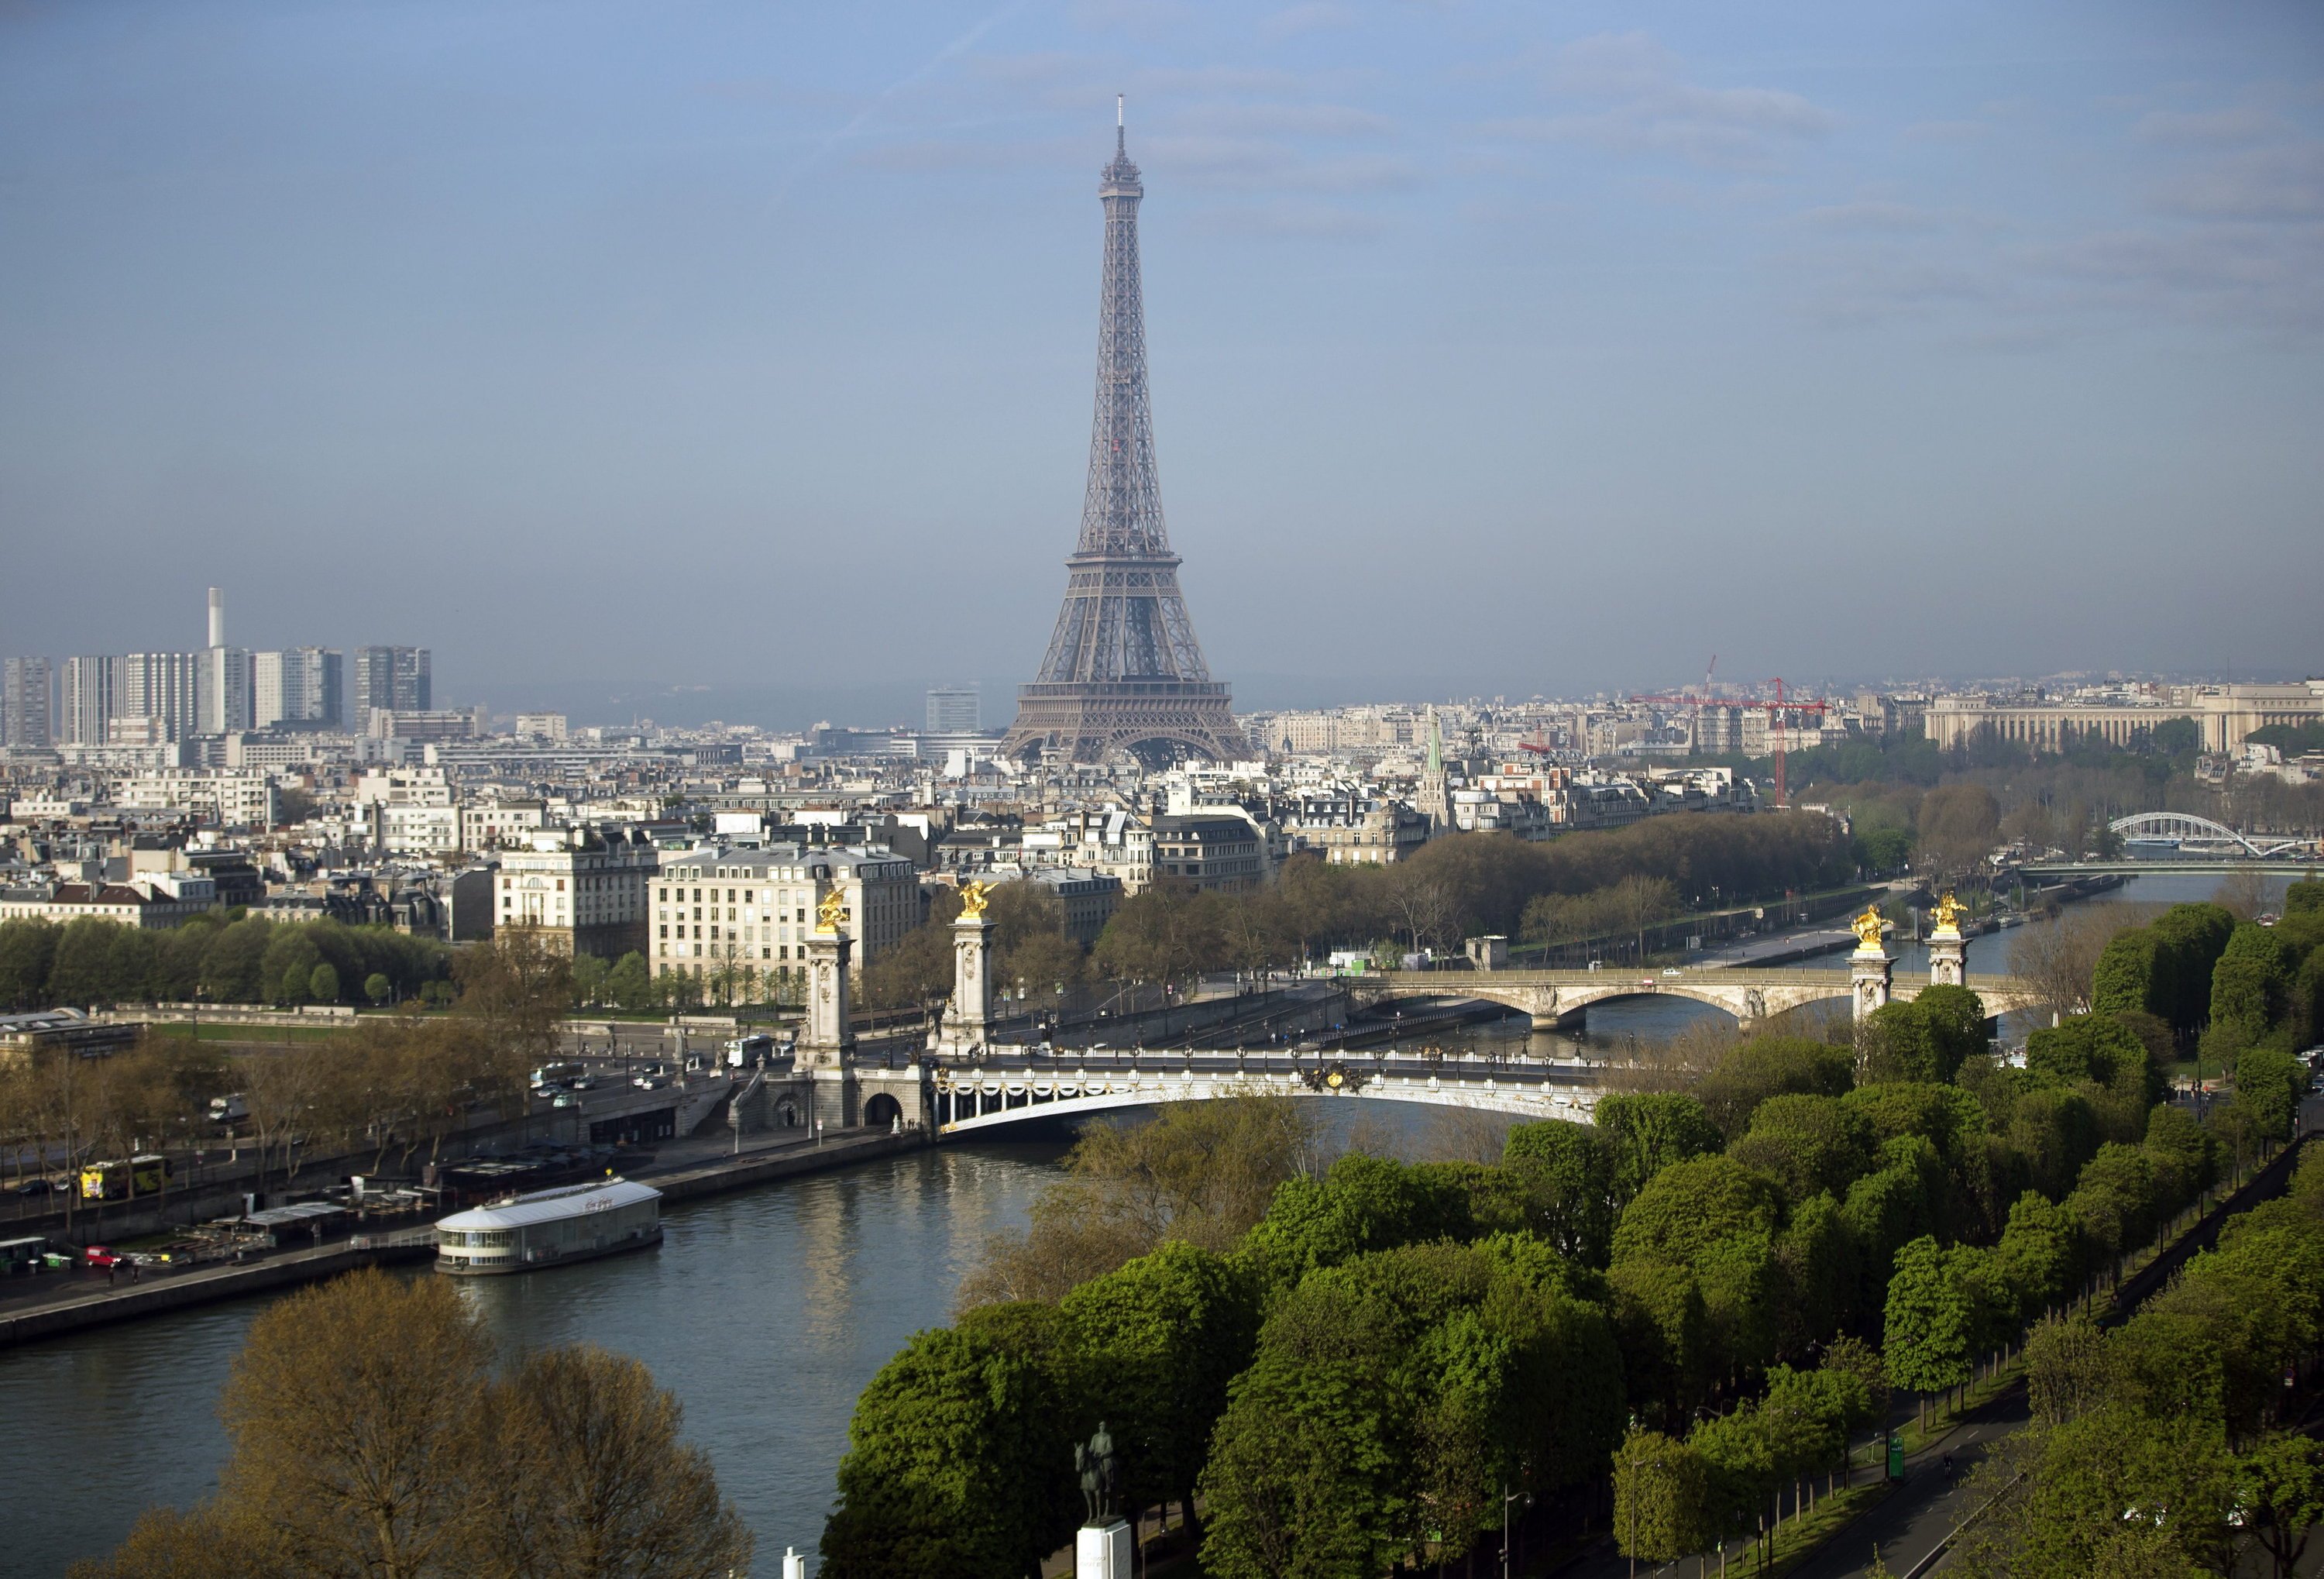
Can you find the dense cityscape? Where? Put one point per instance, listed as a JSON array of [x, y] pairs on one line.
[[1841, 1126]]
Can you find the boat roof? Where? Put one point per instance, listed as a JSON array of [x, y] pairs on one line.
[[548, 1205]]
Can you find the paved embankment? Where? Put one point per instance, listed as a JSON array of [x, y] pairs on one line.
[[83, 1302], [91, 1304], [688, 1182]]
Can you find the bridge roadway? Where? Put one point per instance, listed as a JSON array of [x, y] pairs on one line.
[[1005, 1087], [2182, 866], [1560, 998]]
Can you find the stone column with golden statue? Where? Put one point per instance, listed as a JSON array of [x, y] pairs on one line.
[[1871, 971], [1947, 949], [827, 1047], [969, 1015]]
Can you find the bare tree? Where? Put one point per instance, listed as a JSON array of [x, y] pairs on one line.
[[2244, 894], [2059, 958], [596, 1482], [356, 1436]]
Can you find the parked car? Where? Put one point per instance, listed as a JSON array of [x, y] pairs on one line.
[[98, 1255], [36, 1187]]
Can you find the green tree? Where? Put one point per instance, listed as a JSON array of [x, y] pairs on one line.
[[2250, 983], [629, 983], [1160, 1339], [1661, 1499], [1651, 1132], [378, 989], [323, 984], [1939, 1316], [2037, 1260], [1810, 1144], [1751, 1072], [81, 973], [2279, 1486], [960, 1453], [1689, 1206], [2269, 1083], [27, 949], [2125, 976], [1956, 1019], [1664, 1331], [2189, 940], [1569, 1172], [589, 974]]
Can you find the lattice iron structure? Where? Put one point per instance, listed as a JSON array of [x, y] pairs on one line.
[[1123, 675]]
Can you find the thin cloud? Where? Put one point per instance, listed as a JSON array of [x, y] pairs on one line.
[[2237, 124], [1631, 95], [1317, 16], [1300, 222]]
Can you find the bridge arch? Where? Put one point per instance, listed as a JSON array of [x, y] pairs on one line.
[[2185, 825], [883, 1112], [978, 1100]]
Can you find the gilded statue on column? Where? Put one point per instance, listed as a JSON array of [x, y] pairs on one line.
[[973, 896], [831, 912], [1950, 910], [1867, 929]]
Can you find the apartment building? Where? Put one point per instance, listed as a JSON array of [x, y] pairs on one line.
[[584, 889], [27, 685], [739, 918], [244, 799]]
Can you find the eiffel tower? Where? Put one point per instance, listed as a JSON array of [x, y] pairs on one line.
[[1123, 676]]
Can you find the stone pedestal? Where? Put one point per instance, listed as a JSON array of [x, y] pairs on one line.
[[1103, 1551], [969, 1016], [827, 1045], [1871, 973], [825, 1041], [1947, 958]]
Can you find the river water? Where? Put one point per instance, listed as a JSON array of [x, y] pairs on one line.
[[766, 1312]]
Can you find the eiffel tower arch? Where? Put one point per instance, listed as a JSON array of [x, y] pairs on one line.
[[1123, 676]]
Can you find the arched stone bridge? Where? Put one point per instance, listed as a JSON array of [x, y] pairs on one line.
[[1009, 1089], [1556, 998]]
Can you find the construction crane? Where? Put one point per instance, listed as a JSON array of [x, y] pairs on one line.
[[1776, 711]]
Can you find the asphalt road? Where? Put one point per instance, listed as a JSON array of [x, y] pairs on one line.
[[1919, 1514]]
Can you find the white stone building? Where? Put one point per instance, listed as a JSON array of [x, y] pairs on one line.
[[739, 920]]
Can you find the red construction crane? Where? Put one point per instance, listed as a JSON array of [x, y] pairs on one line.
[[1776, 711]]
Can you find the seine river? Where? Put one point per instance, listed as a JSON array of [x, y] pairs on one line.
[[766, 1311]]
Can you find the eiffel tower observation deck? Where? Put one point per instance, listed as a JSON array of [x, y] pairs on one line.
[[1124, 676]]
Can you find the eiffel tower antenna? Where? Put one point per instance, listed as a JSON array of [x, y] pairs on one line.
[[1123, 675]]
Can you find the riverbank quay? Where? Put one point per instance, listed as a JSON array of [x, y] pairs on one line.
[[88, 1301], [686, 1179], [84, 1301]]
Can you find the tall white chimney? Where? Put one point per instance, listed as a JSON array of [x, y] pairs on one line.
[[217, 617]]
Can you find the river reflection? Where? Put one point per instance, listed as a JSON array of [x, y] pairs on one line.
[[766, 1311]]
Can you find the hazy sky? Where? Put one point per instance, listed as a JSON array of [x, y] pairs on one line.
[[606, 346]]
